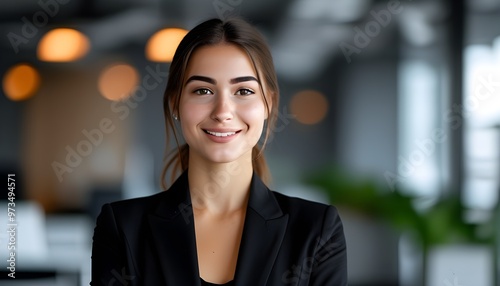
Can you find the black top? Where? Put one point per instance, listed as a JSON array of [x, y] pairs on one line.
[[285, 240], [205, 283]]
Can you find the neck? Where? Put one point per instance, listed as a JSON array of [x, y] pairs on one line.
[[219, 188]]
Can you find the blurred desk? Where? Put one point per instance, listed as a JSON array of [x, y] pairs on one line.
[[50, 250]]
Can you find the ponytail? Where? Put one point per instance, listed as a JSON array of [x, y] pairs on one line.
[[178, 161], [259, 165]]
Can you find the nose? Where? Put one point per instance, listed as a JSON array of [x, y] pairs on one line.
[[223, 108]]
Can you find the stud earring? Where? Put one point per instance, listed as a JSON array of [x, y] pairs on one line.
[[175, 117]]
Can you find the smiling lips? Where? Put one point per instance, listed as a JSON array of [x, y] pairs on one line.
[[221, 136]]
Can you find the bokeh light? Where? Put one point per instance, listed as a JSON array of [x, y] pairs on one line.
[[309, 106], [63, 45], [162, 45], [118, 81], [21, 82]]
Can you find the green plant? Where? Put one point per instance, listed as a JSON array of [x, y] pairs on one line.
[[439, 224]]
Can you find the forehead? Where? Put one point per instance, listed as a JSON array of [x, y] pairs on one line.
[[220, 61]]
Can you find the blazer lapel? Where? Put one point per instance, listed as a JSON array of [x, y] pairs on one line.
[[263, 233], [174, 240]]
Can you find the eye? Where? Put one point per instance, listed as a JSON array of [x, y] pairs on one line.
[[203, 91], [245, 91]]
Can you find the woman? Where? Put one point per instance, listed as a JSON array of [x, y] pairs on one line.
[[218, 224]]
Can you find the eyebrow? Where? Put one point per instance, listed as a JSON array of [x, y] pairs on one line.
[[213, 81], [242, 79], [201, 78]]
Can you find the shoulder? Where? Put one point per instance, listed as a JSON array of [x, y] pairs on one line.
[[131, 210], [294, 205], [304, 212], [138, 204], [164, 203]]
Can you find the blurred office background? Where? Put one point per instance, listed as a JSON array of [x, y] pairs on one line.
[[389, 110]]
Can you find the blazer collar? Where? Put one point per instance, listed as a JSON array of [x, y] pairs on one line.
[[172, 227], [173, 238], [263, 233], [177, 198]]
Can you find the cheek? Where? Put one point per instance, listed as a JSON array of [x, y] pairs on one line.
[[254, 114], [190, 111], [190, 115]]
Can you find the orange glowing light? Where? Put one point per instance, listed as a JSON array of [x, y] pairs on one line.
[[118, 81], [63, 45], [162, 45], [21, 82], [309, 106]]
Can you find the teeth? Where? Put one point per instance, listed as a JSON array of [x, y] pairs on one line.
[[221, 134]]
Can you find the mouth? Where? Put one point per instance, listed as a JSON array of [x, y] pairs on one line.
[[220, 133]]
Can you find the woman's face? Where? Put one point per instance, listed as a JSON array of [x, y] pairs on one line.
[[221, 109]]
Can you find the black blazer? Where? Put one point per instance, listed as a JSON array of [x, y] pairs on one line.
[[151, 241]]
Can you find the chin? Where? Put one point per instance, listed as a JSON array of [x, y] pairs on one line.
[[225, 156]]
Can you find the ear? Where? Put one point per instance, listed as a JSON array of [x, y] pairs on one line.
[[171, 104]]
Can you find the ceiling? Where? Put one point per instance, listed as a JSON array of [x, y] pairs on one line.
[[304, 34]]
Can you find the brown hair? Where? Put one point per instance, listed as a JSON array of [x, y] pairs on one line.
[[212, 32]]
